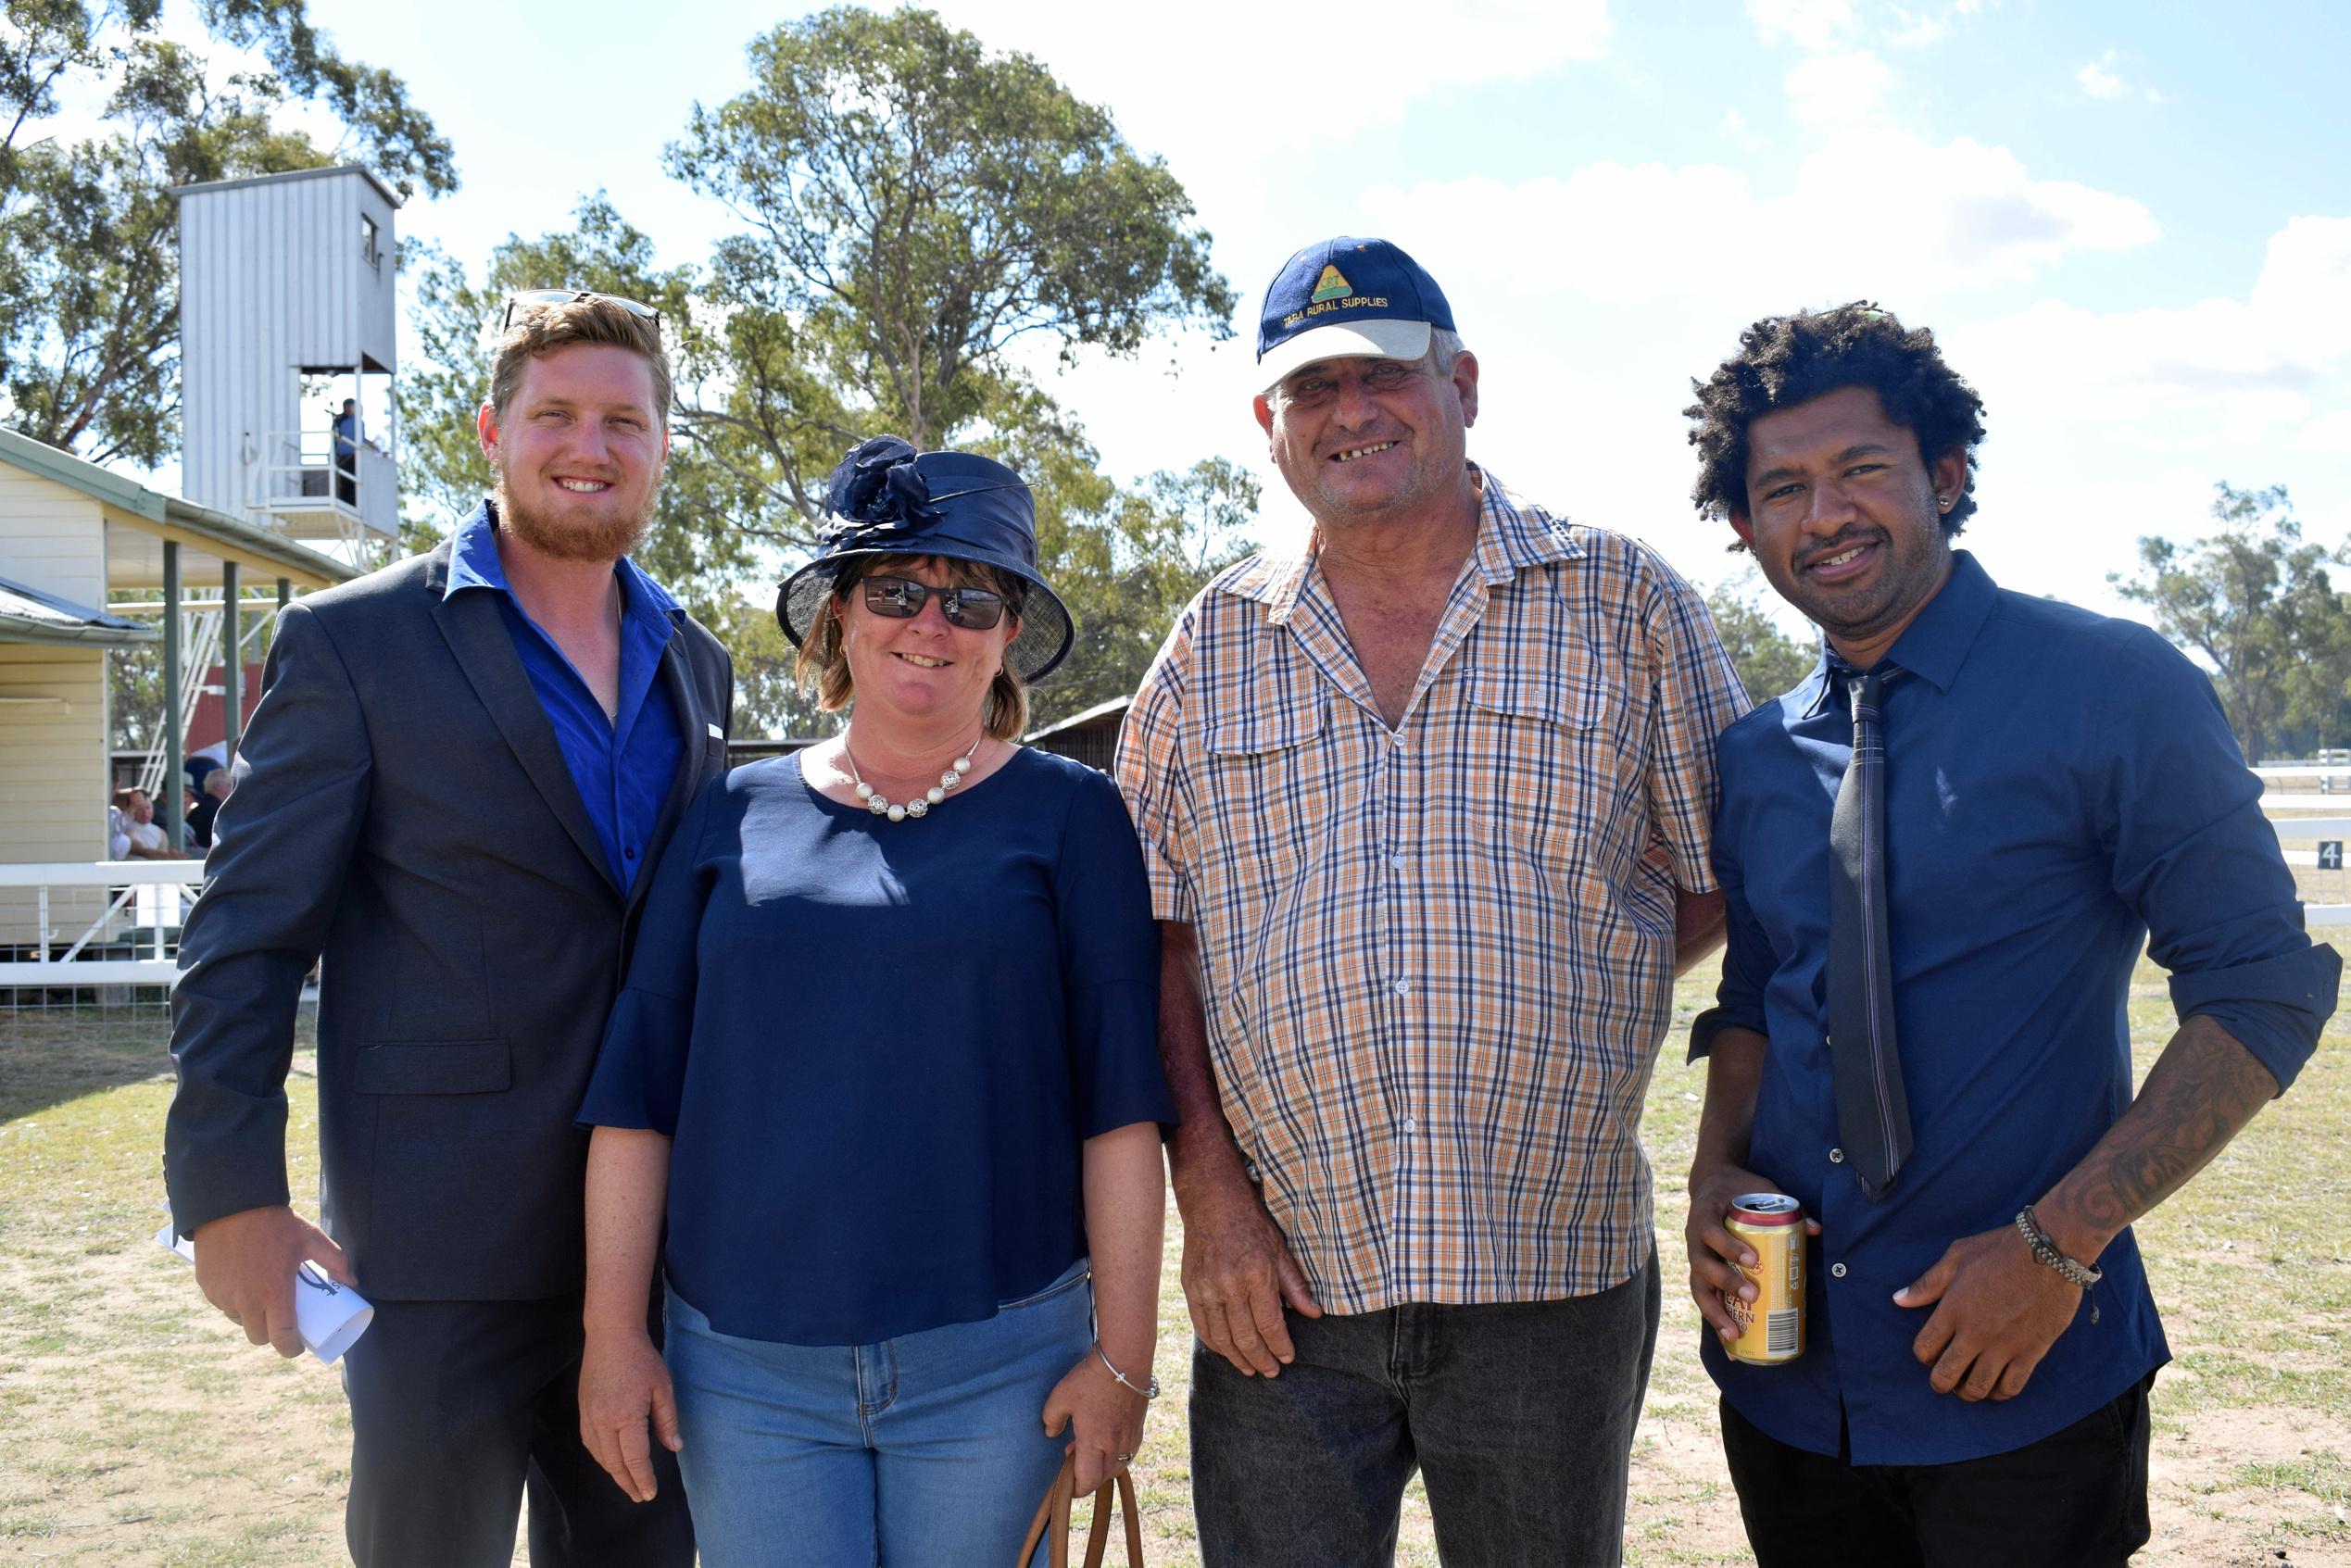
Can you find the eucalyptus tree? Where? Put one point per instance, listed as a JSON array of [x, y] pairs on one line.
[[89, 262], [912, 209]]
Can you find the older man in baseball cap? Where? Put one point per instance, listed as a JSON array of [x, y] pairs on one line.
[[1426, 807]]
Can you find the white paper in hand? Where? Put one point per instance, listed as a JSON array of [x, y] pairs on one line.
[[330, 1317]]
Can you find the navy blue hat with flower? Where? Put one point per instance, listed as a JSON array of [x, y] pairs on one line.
[[887, 499]]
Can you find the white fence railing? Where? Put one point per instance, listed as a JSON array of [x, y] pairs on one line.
[[136, 932], [144, 901]]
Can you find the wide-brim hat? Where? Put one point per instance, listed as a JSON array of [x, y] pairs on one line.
[[887, 499]]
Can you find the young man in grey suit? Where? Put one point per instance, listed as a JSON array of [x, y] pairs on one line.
[[460, 768]]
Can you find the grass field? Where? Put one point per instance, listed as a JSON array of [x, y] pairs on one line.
[[136, 1425]]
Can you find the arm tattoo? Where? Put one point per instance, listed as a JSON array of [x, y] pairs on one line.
[[2201, 1091]]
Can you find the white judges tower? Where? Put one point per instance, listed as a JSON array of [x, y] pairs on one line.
[[287, 309]]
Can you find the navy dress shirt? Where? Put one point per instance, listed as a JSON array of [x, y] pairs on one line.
[[878, 1045], [623, 765], [2060, 788]]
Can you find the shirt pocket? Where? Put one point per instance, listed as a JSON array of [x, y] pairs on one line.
[[1262, 828], [1261, 790], [1543, 766]]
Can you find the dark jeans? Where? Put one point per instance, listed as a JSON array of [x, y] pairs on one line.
[[455, 1407], [1519, 1418], [2077, 1498]]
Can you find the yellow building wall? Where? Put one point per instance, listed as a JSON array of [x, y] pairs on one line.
[[52, 538], [53, 777]]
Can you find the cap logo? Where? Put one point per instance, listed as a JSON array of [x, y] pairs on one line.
[[1330, 285]]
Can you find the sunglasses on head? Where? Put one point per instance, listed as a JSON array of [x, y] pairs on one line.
[[534, 299], [901, 598]]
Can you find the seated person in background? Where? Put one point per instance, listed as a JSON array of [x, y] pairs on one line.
[[135, 814], [217, 782]]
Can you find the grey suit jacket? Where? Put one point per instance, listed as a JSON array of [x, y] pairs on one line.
[[409, 814]]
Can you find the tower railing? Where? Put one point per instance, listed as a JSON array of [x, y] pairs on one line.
[[297, 485]]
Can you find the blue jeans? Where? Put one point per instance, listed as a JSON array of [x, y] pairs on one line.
[[1518, 1416], [926, 1449]]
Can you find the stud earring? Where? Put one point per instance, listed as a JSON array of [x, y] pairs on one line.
[[1944, 501]]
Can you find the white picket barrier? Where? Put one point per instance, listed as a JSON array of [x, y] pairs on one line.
[[140, 904], [144, 902]]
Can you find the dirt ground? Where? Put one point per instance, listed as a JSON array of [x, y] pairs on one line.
[[136, 1425], [145, 1430]]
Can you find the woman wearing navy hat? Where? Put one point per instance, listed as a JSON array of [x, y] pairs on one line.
[[886, 1062]]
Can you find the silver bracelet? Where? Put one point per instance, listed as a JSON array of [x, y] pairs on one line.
[[1150, 1393], [2072, 1270]]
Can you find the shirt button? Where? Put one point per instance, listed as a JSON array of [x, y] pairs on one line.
[[1403, 988], [1836, 1157], [630, 853], [1396, 864], [1411, 1124], [1838, 1270]]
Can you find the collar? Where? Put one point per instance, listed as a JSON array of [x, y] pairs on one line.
[[474, 563], [1932, 646], [1514, 534]]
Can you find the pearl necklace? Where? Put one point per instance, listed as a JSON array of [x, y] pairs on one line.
[[920, 805]]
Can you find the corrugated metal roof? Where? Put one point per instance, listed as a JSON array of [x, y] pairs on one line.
[[386, 192], [1093, 715], [103, 484], [28, 615]]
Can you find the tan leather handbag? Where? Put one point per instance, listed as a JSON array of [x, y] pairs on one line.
[[1053, 1516]]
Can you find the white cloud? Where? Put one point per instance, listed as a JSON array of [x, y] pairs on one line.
[[1808, 24], [1155, 74], [1838, 89], [2306, 286], [1229, 126], [1735, 130], [2255, 416], [1914, 32], [2099, 80], [1878, 214], [2237, 367], [2329, 432], [2047, 527]]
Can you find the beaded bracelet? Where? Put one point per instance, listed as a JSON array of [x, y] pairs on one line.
[[2045, 1251]]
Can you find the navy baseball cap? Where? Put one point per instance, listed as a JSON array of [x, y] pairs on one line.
[[1347, 299]]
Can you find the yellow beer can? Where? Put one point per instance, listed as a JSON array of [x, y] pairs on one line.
[[1771, 1327]]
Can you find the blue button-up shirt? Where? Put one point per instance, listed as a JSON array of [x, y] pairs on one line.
[[2060, 788], [623, 766]]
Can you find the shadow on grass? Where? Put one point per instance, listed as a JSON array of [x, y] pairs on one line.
[[48, 1058]]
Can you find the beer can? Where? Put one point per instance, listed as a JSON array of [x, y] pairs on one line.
[[1771, 1327]]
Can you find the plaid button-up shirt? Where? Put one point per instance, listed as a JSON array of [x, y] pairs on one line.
[[1437, 959]]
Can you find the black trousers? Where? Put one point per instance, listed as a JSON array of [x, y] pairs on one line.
[[455, 1408], [1518, 1416], [2077, 1498]]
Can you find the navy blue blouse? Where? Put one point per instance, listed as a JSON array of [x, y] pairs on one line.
[[879, 1046]]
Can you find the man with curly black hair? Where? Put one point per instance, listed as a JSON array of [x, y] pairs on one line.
[[1942, 856]]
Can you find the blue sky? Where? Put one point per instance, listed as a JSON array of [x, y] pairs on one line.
[[2130, 225]]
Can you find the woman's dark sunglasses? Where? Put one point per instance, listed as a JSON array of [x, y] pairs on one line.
[[532, 300], [901, 598]]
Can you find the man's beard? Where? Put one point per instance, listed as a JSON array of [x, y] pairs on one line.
[[603, 539]]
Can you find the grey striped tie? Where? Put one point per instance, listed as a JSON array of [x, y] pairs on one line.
[[1873, 1116]]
